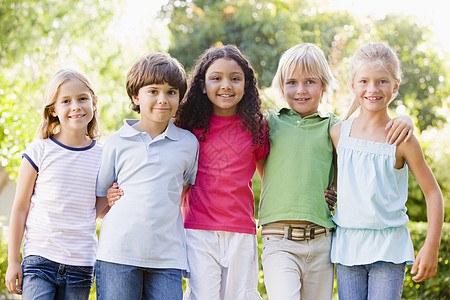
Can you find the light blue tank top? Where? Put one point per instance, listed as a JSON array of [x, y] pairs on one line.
[[371, 214]]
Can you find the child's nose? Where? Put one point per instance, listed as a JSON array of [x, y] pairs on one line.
[[373, 87], [301, 89], [226, 84], [162, 98]]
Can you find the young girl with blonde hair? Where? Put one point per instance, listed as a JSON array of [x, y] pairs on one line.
[[372, 244], [55, 203]]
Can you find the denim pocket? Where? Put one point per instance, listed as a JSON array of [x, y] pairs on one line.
[[33, 259]]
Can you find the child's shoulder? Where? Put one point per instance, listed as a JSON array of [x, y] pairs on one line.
[[187, 135]]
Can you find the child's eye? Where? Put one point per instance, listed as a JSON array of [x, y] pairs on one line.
[[65, 101], [84, 98], [153, 92], [310, 81], [173, 92], [291, 82], [236, 79]]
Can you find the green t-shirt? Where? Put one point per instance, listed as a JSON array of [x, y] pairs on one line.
[[298, 169]]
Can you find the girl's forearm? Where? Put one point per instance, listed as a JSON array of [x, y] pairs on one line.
[[435, 218], [15, 235]]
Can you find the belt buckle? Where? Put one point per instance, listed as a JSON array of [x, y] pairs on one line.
[[289, 233]]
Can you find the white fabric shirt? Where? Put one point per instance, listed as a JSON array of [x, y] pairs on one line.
[[144, 228], [61, 221]]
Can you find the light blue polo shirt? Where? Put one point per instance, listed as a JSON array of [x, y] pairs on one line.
[[145, 228]]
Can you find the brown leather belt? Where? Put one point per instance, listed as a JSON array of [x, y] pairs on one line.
[[295, 232]]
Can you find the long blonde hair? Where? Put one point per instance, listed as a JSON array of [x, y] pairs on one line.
[[309, 59], [50, 124], [377, 53]]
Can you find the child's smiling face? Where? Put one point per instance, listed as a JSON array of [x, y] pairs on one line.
[[374, 88], [224, 85], [303, 93]]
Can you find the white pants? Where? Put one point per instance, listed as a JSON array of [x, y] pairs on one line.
[[223, 265], [296, 270]]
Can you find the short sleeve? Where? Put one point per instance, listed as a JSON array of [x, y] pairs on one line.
[[106, 175], [190, 173], [34, 153]]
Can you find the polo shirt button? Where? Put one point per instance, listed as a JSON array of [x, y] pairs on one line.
[[298, 122]]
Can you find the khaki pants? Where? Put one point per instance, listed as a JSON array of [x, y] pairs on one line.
[[296, 270]]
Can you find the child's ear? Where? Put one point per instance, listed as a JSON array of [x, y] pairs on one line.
[[396, 86], [135, 100], [94, 102]]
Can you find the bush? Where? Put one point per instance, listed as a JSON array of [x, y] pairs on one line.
[[437, 287]]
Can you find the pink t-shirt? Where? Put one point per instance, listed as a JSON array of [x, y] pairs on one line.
[[222, 197]]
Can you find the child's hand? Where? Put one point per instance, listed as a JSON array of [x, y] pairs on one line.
[[331, 197], [114, 194], [400, 129], [13, 278], [426, 261]]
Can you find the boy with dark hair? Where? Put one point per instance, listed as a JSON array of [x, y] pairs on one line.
[[141, 253]]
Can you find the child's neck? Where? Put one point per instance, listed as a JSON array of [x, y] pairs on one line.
[[152, 128], [74, 139], [370, 126]]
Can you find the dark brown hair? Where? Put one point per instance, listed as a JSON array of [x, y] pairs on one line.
[[196, 109], [155, 68]]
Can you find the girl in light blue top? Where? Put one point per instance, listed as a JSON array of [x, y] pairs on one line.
[[372, 245]]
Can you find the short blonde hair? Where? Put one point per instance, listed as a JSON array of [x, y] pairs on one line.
[[377, 53], [305, 58], [155, 68], [50, 124]]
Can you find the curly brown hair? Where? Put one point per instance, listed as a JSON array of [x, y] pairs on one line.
[[196, 109]]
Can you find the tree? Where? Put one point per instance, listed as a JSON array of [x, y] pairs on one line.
[[36, 35]]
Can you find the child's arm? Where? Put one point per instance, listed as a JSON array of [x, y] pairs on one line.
[[427, 258], [260, 167], [24, 191], [101, 207], [330, 194], [185, 189], [401, 128]]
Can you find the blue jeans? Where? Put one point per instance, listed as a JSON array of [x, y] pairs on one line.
[[117, 281], [46, 279], [380, 280]]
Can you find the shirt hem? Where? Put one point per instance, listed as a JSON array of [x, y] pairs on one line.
[[220, 228]]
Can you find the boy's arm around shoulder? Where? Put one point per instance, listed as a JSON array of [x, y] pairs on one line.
[[427, 258]]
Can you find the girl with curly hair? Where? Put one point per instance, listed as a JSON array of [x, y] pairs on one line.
[[222, 109]]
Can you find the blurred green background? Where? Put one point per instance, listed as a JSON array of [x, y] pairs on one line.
[[38, 37]]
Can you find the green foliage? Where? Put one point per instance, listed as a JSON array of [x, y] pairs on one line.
[[264, 29], [437, 287], [437, 154], [37, 38]]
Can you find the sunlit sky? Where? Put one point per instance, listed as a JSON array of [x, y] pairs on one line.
[[431, 12]]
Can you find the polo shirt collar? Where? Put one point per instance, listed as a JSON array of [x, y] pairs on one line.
[[288, 111], [127, 130]]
